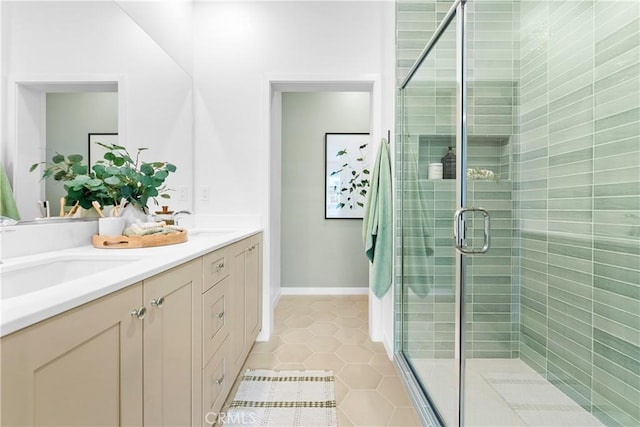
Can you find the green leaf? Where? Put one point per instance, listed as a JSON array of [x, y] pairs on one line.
[[109, 156], [363, 192], [341, 153], [363, 146], [118, 161], [165, 196], [78, 169], [112, 180], [126, 191], [365, 171], [80, 180], [336, 172], [147, 181], [340, 205], [146, 169], [33, 167], [170, 167], [162, 175], [360, 204], [75, 158], [58, 176], [58, 158], [353, 172]]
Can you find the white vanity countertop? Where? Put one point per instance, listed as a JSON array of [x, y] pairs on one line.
[[24, 310]]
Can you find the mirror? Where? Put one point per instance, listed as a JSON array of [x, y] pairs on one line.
[[140, 64], [57, 118]]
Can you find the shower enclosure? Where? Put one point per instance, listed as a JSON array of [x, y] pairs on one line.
[[518, 282]]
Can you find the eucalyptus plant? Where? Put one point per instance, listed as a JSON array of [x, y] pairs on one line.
[[115, 177]]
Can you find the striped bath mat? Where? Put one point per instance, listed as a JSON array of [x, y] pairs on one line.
[[283, 399]]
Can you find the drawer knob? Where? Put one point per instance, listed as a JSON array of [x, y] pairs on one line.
[[139, 312], [220, 315], [219, 380], [219, 267], [157, 302]]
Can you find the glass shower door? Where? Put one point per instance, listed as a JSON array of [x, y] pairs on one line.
[[428, 292]]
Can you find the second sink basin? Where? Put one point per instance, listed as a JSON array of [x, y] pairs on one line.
[[23, 278]]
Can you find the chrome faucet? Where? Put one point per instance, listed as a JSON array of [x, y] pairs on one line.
[[176, 216]]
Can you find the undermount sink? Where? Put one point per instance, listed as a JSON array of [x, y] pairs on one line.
[[32, 276]]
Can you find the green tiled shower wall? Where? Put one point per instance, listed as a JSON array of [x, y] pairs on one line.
[[578, 201], [558, 84]]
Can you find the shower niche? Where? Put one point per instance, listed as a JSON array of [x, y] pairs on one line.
[[488, 156]]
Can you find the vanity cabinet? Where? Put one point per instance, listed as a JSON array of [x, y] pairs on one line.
[[124, 359], [161, 352], [80, 368]]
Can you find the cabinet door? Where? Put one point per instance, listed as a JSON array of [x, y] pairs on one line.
[[253, 291], [169, 347], [82, 367], [237, 293]]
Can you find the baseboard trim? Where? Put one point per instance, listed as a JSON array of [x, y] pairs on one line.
[[324, 291]]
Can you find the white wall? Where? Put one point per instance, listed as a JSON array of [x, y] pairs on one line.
[[239, 45], [169, 23], [318, 252], [68, 41], [240, 48]]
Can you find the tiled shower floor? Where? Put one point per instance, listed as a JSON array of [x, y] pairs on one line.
[[331, 332], [501, 392]]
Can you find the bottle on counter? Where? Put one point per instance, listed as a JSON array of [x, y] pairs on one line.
[[449, 164]]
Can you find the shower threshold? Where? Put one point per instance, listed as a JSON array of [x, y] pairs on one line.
[[506, 392]]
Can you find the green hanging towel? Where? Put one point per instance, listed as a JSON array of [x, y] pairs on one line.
[[8, 206], [377, 226]]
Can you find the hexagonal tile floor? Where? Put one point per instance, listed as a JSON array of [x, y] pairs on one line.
[[369, 391]]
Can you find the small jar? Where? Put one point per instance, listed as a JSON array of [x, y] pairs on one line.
[[435, 171], [165, 215]]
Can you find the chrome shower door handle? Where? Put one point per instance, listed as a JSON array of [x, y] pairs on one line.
[[459, 228]]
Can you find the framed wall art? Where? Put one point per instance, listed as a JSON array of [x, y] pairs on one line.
[[347, 174]]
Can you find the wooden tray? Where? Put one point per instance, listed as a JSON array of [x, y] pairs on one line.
[[124, 242]]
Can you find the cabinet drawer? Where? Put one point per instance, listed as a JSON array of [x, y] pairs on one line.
[[216, 383], [215, 315], [216, 268]]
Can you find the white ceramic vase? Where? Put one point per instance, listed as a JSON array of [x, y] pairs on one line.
[[132, 214]]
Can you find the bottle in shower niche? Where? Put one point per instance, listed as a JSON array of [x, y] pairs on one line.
[[449, 165]]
